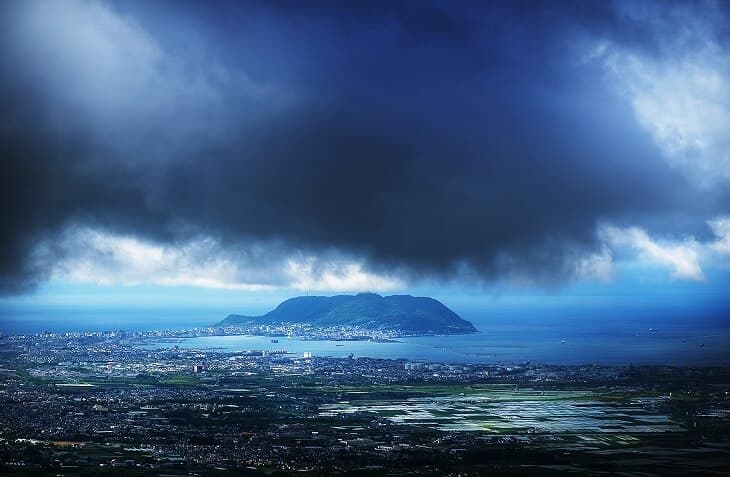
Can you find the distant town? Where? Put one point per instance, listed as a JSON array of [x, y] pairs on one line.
[[302, 331]]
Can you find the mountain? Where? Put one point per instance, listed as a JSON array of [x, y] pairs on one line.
[[406, 314]]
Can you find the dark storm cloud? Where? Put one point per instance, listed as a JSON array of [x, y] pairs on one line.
[[425, 138]]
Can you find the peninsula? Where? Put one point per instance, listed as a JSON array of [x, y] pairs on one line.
[[396, 315]]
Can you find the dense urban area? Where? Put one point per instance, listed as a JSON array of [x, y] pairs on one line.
[[118, 403]]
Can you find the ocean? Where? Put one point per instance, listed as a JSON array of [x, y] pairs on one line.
[[650, 334], [644, 348]]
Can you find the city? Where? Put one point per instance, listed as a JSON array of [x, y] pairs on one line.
[[104, 403]]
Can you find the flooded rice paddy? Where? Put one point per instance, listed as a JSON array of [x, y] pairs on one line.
[[518, 411]]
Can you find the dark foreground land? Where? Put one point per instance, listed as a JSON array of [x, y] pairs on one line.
[[101, 404]]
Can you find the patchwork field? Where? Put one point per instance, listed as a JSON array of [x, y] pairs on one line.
[[500, 410]]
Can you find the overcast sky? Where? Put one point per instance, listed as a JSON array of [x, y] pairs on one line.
[[435, 147]]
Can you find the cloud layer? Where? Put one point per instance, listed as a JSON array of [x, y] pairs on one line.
[[683, 257], [369, 140], [91, 256], [679, 91]]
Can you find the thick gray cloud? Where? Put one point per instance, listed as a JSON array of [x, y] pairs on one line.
[[431, 140]]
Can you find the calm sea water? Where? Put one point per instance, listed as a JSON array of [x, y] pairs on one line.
[[553, 334], [643, 347]]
